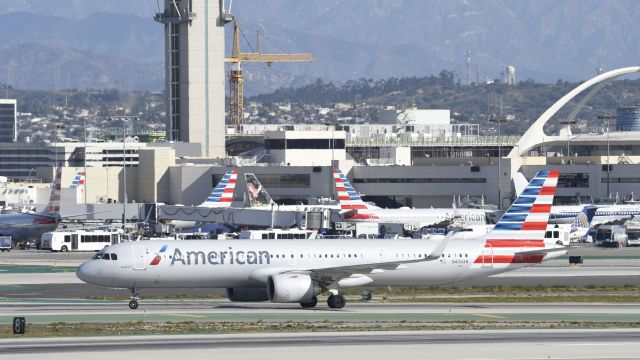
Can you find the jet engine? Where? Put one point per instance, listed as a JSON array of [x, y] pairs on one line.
[[292, 288], [247, 294]]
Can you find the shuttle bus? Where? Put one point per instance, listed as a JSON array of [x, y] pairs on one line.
[[80, 239]]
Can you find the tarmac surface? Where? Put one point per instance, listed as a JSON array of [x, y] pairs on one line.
[[42, 287], [61, 310], [465, 344]]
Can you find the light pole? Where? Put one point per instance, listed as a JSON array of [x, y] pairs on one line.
[[498, 120], [85, 161], [608, 117], [124, 120], [55, 141]]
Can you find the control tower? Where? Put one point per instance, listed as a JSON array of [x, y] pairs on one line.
[[194, 72]]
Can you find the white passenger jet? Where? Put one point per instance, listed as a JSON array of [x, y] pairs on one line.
[[294, 271], [354, 209]]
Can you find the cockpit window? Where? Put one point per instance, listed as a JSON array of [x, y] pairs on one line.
[[114, 256], [97, 256], [105, 256]]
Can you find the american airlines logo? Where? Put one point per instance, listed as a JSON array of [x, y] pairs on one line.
[[215, 257]]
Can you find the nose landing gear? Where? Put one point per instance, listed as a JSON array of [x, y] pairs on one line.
[[133, 304]]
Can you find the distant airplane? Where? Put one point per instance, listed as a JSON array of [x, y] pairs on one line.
[[220, 197], [354, 209], [565, 214], [31, 226], [294, 271]]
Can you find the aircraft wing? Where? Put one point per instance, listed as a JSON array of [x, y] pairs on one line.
[[335, 273]]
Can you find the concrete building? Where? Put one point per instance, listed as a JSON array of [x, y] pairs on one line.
[[194, 73], [8, 120]]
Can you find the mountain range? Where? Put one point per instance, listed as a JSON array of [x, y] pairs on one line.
[[94, 43]]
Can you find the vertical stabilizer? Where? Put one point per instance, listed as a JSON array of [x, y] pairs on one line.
[[258, 196], [222, 194], [525, 222], [584, 218], [54, 199], [347, 196], [78, 181]]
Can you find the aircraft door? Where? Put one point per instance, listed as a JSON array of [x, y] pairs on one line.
[[138, 258], [487, 256], [74, 242]]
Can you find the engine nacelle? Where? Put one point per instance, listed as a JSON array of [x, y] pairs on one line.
[[292, 288], [247, 294]]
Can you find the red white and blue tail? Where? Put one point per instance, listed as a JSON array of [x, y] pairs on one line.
[[527, 218], [78, 181], [222, 194], [347, 196], [518, 237], [54, 199]]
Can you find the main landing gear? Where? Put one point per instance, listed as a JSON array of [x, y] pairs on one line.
[[311, 303], [336, 301], [133, 304]]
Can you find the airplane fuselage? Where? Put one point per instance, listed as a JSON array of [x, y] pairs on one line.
[[249, 263], [421, 217]]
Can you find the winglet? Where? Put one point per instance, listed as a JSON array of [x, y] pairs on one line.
[[437, 252]]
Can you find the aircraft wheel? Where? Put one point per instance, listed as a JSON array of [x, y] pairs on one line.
[[133, 304], [336, 301], [64, 248], [309, 304]]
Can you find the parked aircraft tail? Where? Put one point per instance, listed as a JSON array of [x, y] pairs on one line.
[[79, 180], [54, 199], [584, 218], [258, 195], [222, 194], [347, 196]]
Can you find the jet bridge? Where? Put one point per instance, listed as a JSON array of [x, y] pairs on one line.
[[304, 218]]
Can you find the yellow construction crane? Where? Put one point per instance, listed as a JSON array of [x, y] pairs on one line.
[[236, 82]]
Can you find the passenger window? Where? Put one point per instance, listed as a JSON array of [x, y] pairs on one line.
[[265, 236], [114, 256], [556, 234], [547, 235]]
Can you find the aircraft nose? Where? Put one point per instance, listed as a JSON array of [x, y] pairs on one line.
[[85, 272]]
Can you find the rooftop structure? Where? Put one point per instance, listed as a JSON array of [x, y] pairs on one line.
[[194, 63], [8, 120]]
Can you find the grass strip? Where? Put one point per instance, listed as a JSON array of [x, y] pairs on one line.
[[62, 329]]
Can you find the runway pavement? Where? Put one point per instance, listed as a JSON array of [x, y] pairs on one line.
[[466, 344], [49, 311]]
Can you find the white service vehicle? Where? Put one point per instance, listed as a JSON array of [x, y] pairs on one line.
[[80, 239]]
